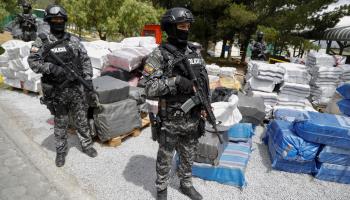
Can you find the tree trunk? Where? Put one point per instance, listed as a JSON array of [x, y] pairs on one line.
[[224, 42], [243, 49], [101, 35]]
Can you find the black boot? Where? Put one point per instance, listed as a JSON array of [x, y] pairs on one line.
[[60, 159], [191, 192], [90, 152], [162, 195]]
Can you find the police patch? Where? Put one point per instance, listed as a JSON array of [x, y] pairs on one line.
[[34, 49], [148, 70]]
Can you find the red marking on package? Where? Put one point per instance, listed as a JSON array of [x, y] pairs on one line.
[[34, 49]]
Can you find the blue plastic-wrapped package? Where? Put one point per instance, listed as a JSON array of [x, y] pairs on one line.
[[279, 163], [288, 145], [334, 155], [334, 173], [322, 128], [344, 90], [240, 132], [289, 114], [344, 106], [231, 168]]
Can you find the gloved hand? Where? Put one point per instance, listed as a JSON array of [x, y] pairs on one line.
[[184, 84], [92, 99], [56, 70]]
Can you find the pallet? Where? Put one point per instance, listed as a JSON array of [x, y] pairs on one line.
[[117, 141], [24, 91]]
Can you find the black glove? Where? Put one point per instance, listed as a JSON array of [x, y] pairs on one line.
[[184, 84], [56, 70]]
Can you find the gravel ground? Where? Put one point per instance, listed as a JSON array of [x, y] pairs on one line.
[[128, 171]]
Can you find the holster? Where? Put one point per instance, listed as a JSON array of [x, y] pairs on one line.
[[155, 126], [48, 96]]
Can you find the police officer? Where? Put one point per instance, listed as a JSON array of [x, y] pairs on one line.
[[168, 80], [62, 96], [259, 47], [25, 25]]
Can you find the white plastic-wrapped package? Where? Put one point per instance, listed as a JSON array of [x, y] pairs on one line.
[[28, 75], [97, 56], [270, 72], [7, 72], [291, 66], [19, 64], [227, 112], [316, 58], [138, 41], [213, 69], [270, 98], [4, 59], [34, 86], [214, 81], [126, 60], [261, 85], [13, 82], [227, 72], [17, 48]]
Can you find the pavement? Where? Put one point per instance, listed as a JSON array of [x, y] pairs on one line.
[[128, 171], [19, 178]]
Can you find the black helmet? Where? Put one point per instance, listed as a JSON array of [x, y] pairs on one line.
[[26, 7], [171, 18], [259, 35], [55, 11], [175, 15]]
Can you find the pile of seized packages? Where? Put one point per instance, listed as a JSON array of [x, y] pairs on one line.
[[299, 138]]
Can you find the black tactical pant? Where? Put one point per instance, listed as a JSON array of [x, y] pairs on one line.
[[71, 100]]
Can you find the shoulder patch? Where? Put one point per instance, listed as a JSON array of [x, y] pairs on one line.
[[148, 70]]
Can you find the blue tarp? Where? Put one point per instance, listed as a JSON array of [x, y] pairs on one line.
[[231, 166], [322, 128], [289, 114], [344, 90], [332, 172], [240, 132], [344, 106], [334, 155], [288, 145]]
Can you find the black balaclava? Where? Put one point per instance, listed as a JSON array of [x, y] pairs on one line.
[[57, 29], [178, 37]]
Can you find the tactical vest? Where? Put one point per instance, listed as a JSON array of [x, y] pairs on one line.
[[66, 53], [27, 23], [197, 64]]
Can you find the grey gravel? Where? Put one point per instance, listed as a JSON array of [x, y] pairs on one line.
[[128, 171]]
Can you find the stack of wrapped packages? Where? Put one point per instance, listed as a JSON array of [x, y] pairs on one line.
[[345, 77], [295, 89], [118, 113], [324, 77], [316, 143], [225, 162], [14, 66], [261, 81], [97, 52], [222, 77]]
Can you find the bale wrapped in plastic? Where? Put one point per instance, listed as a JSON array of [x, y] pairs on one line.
[[323, 128], [251, 108], [110, 90], [289, 145], [279, 163], [17, 48], [231, 168], [116, 119], [344, 90], [334, 173], [240, 132], [289, 114], [344, 106], [334, 155], [209, 148]]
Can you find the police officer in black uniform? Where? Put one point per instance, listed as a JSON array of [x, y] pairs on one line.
[[168, 79], [259, 47], [62, 93], [26, 23]]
